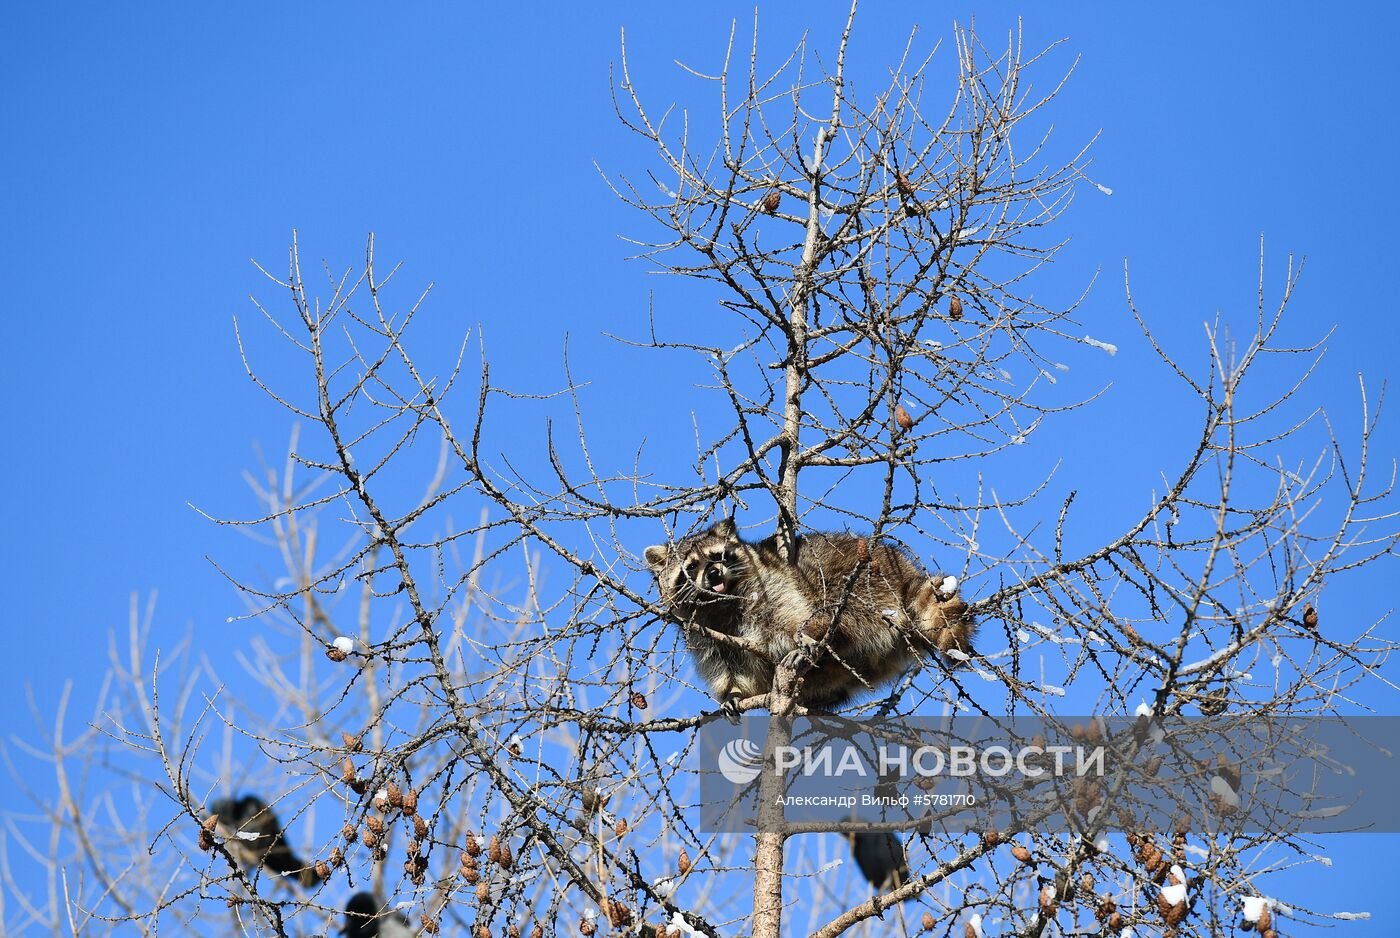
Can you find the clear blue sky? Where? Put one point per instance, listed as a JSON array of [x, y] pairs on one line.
[[150, 150]]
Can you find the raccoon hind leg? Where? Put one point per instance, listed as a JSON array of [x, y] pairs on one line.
[[942, 619]]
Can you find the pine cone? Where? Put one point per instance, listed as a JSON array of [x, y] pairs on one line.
[[618, 914], [1214, 703], [1172, 914]]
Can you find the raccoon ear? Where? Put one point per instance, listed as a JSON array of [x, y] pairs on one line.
[[726, 528], [656, 555]]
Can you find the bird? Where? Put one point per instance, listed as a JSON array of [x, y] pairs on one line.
[[254, 836], [880, 856], [366, 917]]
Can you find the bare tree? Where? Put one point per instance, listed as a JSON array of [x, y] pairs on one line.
[[472, 699]]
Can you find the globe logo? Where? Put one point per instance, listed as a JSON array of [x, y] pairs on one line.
[[740, 761]]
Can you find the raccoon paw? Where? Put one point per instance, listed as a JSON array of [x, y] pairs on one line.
[[795, 660], [799, 659], [730, 709]]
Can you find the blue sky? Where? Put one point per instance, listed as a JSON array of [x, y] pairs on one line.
[[150, 151]]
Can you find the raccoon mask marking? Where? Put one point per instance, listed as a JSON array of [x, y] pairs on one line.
[[701, 569], [869, 606]]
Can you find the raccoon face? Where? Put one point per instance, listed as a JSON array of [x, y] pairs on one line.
[[701, 568]]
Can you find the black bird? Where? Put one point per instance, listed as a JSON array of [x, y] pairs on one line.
[[880, 856], [365, 918], [252, 833]]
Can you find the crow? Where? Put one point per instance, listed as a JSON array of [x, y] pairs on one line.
[[880, 856], [252, 833], [366, 918]]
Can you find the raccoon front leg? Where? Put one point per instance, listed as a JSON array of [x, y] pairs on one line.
[[734, 685], [726, 690], [725, 687]]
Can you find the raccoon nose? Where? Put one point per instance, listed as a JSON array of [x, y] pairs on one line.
[[714, 576]]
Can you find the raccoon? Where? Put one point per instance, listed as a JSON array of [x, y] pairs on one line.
[[255, 837], [367, 917], [865, 607], [880, 856]]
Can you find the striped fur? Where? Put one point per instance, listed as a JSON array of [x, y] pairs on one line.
[[865, 610]]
